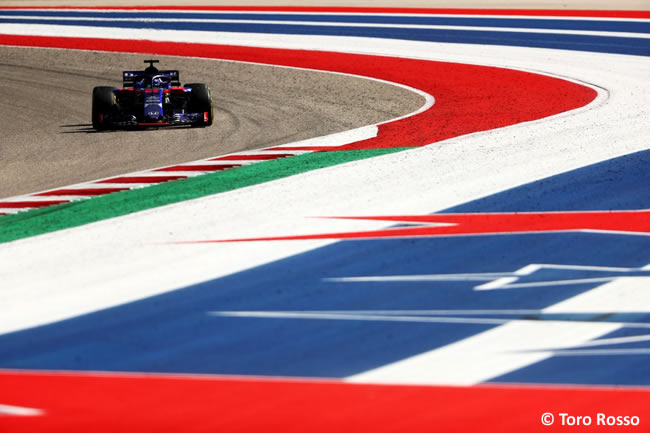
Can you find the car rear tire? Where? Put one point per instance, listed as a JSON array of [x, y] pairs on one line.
[[103, 105], [200, 102]]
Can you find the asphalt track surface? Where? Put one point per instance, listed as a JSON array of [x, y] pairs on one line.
[[48, 140]]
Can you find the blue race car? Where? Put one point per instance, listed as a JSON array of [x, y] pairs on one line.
[[151, 98]]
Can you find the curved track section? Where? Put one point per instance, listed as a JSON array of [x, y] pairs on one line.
[[391, 289], [48, 141]]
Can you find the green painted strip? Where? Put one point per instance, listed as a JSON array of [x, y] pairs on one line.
[[50, 219]]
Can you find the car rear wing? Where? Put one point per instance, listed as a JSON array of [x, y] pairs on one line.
[[129, 77]]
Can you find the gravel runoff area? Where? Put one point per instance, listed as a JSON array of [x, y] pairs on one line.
[[48, 141]]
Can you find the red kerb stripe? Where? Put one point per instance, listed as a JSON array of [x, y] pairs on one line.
[[22, 204], [305, 148], [142, 179], [251, 157], [84, 191], [199, 167]]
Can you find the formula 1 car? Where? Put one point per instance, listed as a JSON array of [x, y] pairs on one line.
[[151, 98]]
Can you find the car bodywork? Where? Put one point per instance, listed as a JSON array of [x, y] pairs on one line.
[[151, 98]]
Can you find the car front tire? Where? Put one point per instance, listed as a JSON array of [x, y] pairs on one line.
[[201, 102], [103, 105]]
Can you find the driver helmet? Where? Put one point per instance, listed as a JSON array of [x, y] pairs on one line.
[[159, 81]]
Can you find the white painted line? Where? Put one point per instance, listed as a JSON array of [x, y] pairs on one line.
[[343, 24], [529, 269], [27, 198], [499, 283], [153, 173], [623, 295], [110, 185], [373, 316], [58, 197], [602, 352], [208, 162], [337, 139], [508, 283], [416, 278], [272, 151], [233, 162], [450, 316], [100, 186], [611, 341], [377, 14], [7, 410], [368, 316], [447, 312], [188, 173], [507, 280]]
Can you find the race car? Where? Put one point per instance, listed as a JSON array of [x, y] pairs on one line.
[[151, 98]]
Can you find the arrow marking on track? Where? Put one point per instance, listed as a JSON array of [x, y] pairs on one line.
[[631, 222]]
